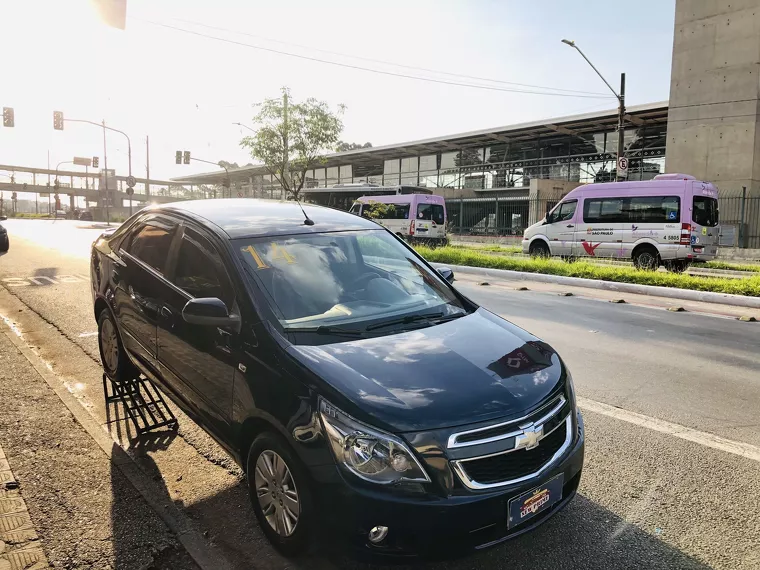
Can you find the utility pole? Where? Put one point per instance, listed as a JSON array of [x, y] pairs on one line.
[[621, 120], [147, 166], [105, 169], [285, 148]]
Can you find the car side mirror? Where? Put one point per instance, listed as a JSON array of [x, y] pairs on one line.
[[209, 311], [446, 273]]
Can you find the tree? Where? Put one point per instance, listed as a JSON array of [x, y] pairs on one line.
[[291, 137], [224, 163], [344, 146]]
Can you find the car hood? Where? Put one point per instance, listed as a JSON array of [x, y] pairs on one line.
[[468, 370]]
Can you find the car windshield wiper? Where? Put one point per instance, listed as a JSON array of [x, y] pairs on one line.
[[405, 320], [325, 329], [450, 317]]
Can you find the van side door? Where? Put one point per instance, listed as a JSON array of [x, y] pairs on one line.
[[599, 232], [560, 227]]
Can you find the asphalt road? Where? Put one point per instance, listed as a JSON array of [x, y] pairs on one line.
[[648, 498]]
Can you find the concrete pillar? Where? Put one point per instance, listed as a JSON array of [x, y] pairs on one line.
[[714, 116]]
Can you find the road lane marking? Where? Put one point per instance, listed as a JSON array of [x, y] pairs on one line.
[[741, 449], [44, 280], [85, 335]]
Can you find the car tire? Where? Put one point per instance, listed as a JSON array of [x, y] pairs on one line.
[[116, 363], [276, 492], [646, 258], [539, 249]]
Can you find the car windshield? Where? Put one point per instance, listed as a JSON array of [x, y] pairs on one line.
[[345, 278]]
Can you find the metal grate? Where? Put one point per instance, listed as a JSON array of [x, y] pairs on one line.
[[516, 464]]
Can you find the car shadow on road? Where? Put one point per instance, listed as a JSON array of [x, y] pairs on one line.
[[585, 535]]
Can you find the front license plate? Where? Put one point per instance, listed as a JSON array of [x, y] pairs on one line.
[[529, 504]]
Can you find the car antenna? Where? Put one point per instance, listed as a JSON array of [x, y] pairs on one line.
[[307, 221]]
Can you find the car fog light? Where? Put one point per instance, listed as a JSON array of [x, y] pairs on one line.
[[378, 534]]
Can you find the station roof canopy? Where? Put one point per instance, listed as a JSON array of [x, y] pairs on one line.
[[638, 115]]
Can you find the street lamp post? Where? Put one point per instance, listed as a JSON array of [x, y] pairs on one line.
[[621, 103], [105, 156], [245, 127]]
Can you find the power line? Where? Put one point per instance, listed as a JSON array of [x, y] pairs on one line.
[[369, 59], [381, 72]]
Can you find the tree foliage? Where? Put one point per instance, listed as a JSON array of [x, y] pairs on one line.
[[309, 129], [343, 146], [378, 210]]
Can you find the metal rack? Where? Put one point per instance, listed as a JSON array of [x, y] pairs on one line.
[[143, 404]]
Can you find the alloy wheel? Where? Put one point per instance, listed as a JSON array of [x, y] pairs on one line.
[[276, 492], [109, 345]]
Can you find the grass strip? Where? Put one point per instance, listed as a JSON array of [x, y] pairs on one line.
[[460, 256]]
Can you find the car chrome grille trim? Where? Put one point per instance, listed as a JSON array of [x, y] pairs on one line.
[[553, 407], [460, 465]]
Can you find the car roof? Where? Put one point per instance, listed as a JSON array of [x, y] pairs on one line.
[[247, 217]]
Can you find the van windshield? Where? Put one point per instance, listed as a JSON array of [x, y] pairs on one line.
[[342, 278], [432, 212], [705, 211]]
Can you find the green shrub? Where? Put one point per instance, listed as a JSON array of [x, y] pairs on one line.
[[459, 256]]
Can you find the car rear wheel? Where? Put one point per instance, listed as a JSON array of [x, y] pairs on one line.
[[279, 490], [539, 249], [116, 363], [646, 258]]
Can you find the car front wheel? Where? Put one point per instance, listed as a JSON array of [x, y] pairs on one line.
[[279, 489]]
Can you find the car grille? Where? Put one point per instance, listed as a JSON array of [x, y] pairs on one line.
[[516, 464]]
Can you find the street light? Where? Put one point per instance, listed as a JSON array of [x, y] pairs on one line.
[[245, 127], [621, 102]]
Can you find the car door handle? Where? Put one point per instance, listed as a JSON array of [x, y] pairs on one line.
[[570, 226]]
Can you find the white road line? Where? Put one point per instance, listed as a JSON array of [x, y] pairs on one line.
[[745, 450], [85, 335]]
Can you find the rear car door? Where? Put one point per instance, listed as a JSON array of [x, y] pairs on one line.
[[144, 255], [200, 359], [560, 227], [599, 231], [704, 221]]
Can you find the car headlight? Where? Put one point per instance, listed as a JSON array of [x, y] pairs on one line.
[[369, 453], [570, 389]]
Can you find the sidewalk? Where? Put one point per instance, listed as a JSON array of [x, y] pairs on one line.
[[85, 512]]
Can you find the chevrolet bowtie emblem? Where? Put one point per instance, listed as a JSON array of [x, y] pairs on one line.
[[529, 438]]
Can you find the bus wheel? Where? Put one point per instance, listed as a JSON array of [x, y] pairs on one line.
[[539, 249], [646, 258]]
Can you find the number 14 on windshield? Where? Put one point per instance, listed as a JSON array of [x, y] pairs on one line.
[[277, 253]]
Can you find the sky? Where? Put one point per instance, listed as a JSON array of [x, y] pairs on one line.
[[185, 90]]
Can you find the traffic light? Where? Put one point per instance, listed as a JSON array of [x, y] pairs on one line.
[[187, 157], [57, 120], [178, 157], [56, 185], [95, 162], [226, 182], [8, 120]]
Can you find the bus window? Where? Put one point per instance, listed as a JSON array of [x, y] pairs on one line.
[[430, 212]]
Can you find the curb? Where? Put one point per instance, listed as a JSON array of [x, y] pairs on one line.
[[206, 556], [651, 290]]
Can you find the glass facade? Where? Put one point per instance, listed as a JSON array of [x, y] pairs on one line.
[[582, 157]]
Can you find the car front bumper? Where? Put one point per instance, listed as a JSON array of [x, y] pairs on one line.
[[428, 525]]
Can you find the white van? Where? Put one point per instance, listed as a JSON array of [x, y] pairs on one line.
[[671, 220], [412, 217]]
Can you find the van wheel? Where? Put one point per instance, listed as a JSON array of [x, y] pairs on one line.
[[279, 489], [116, 363], [677, 266], [539, 249], [646, 258]]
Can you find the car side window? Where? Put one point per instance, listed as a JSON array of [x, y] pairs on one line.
[[150, 244], [199, 271]]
